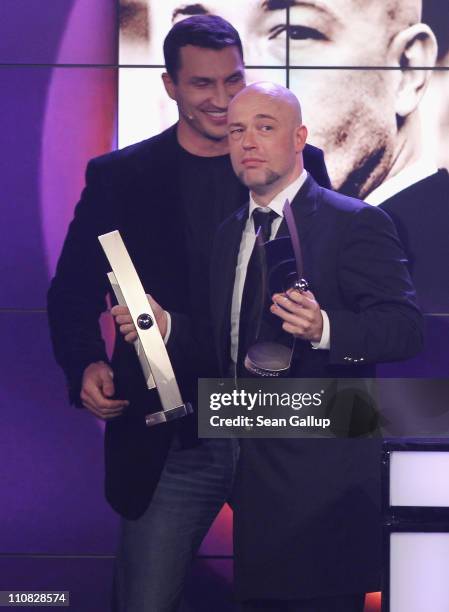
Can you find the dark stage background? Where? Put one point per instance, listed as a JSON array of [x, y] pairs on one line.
[[60, 78]]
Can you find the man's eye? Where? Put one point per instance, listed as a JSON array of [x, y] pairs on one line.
[[236, 133], [296, 32], [266, 128], [235, 79], [201, 83]]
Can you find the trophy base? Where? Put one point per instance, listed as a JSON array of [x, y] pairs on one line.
[[268, 359], [164, 416]]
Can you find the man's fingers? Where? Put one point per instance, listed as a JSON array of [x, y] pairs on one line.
[[109, 414], [284, 304], [300, 313], [126, 328], [294, 299], [301, 296], [103, 403], [295, 325], [129, 333], [119, 310], [291, 329], [298, 320], [107, 384], [97, 387], [101, 380], [124, 319], [95, 396], [86, 401], [96, 401], [101, 413], [125, 322]]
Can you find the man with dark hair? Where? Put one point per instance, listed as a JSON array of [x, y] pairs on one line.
[[166, 196], [217, 35]]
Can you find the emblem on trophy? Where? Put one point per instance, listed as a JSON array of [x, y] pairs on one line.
[[150, 347]]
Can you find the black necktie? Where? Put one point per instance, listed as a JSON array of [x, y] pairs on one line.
[[264, 221], [253, 299]]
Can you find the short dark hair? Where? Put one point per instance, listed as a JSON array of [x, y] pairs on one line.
[[207, 31]]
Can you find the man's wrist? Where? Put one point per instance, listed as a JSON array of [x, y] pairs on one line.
[[324, 342]]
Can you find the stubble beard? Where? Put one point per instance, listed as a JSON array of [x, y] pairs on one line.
[[260, 187]]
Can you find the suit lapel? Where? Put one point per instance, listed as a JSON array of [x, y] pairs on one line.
[[304, 206]]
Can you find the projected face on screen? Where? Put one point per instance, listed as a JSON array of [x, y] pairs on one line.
[[364, 119], [261, 25]]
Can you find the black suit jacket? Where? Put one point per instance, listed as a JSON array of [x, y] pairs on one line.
[[135, 190], [306, 515]]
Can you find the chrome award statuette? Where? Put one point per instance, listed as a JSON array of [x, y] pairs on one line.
[[273, 359], [149, 345]]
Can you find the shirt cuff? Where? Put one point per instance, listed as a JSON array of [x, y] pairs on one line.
[[325, 342], [168, 332]]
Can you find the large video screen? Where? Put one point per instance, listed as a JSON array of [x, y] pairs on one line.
[[341, 57]]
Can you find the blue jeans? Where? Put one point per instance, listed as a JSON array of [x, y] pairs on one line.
[[155, 551]]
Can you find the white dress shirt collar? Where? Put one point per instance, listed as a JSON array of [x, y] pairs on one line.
[[403, 179], [277, 203]]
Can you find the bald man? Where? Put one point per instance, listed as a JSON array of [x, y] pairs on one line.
[[307, 525]]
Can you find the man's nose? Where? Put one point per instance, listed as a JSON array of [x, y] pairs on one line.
[[221, 96], [248, 140]]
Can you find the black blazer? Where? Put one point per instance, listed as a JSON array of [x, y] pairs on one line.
[[135, 190], [306, 514]]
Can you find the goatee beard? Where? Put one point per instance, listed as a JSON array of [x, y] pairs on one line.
[[260, 186]]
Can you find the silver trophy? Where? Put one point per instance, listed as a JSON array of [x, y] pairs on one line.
[[150, 347], [273, 359]]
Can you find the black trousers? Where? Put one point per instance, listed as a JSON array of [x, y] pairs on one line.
[[343, 603]]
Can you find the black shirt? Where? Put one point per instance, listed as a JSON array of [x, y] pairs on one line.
[[210, 193]]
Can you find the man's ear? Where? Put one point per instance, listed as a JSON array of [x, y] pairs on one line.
[[170, 87], [300, 137], [412, 48]]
